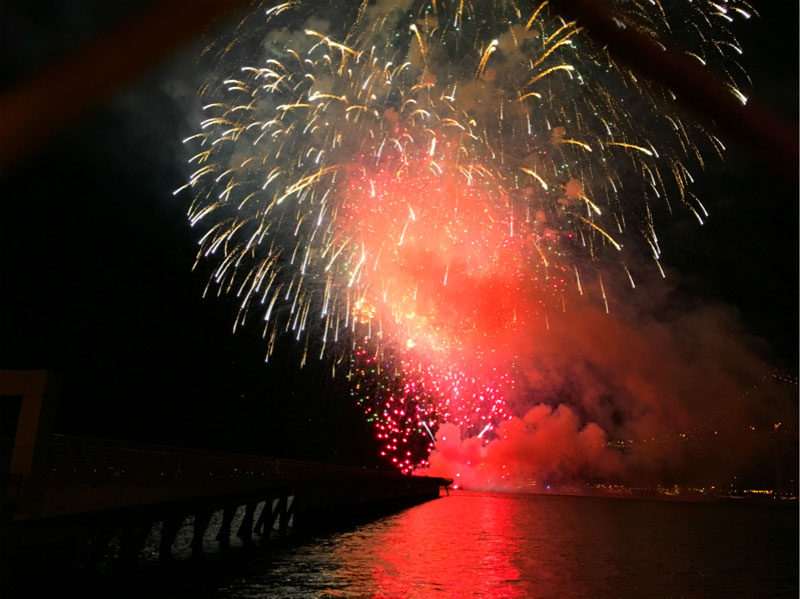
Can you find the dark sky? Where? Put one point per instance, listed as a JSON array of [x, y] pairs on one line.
[[95, 259]]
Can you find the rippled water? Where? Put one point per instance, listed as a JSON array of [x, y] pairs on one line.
[[502, 546]]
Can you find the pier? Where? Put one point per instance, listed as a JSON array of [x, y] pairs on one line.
[[134, 502]]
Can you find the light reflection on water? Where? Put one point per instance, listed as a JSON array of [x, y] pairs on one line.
[[506, 546]]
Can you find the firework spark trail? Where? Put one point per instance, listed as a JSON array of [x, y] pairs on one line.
[[421, 190]]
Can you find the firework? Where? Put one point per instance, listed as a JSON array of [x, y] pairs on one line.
[[413, 188]]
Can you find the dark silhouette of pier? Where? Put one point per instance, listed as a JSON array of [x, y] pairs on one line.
[[84, 499]]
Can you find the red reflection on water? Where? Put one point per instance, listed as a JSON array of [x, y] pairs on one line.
[[460, 546]]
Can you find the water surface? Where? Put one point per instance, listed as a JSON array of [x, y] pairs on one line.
[[496, 545]]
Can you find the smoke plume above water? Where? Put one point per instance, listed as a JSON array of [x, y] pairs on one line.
[[647, 395]]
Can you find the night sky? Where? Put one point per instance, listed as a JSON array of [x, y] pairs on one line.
[[96, 256]]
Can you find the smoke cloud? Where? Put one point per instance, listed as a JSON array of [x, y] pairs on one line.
[[647, 394]]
